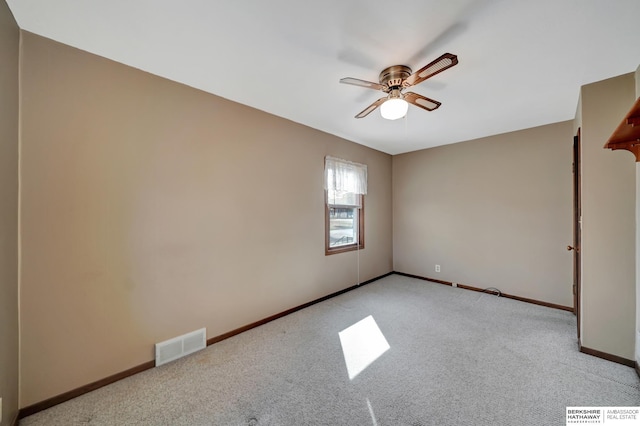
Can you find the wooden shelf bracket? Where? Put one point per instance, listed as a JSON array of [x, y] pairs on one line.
[[627, 134]]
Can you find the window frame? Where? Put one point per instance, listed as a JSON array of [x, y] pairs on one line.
[[359, 245]]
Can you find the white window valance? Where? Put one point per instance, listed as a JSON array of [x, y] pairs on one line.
[[344, 179]]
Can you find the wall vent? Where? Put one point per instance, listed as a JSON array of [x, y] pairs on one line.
[[180, 346]]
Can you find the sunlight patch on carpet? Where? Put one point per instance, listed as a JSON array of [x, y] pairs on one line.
[[362, 343]]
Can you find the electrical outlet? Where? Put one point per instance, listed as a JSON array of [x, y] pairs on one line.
[[437, 268], [454, 284]]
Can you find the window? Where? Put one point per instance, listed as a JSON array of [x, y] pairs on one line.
[[345, 186], [344, 223]]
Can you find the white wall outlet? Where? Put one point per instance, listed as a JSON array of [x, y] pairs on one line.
[[454, 284], [437, 268]]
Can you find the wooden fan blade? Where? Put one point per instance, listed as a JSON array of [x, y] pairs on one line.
[[442, 63], [362, 83], [421, 101], [370, 108]]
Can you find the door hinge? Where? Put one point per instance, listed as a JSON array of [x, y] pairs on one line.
[[575, 289]]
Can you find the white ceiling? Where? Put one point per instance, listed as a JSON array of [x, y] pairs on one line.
[[521, 62]]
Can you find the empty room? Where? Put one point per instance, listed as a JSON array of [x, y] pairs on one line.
[[328, 213]]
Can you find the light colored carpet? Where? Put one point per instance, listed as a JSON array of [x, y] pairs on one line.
[[455, 357]]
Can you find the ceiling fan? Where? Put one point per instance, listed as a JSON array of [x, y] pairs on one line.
[[394, 80]]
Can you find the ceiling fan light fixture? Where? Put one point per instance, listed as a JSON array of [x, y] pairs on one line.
[[394, 108], [396, 78]]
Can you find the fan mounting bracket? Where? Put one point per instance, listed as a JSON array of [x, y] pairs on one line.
[[393, 76]]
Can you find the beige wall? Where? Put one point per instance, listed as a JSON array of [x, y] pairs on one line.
[[151, 209], [608, 221], [493, 212], [9, 53], [577, 121]]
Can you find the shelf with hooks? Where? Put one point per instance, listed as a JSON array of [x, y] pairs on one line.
[[627, 134]]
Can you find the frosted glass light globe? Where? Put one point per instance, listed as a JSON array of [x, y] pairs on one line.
[[394, 108]]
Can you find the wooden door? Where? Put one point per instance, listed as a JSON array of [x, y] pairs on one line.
[[577, 228]]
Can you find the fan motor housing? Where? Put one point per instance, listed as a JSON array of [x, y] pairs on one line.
[[394, 75]]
